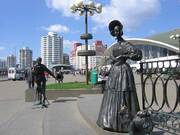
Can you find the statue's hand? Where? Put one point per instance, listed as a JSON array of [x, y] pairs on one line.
[[122, 56]]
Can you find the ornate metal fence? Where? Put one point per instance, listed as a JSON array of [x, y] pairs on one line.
[[160, 82]]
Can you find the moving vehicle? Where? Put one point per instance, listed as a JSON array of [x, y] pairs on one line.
[[63, 67], [16, 74]]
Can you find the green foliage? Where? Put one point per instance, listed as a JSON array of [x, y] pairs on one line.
[[69, 86], [172, 73]]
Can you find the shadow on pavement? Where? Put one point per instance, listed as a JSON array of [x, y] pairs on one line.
[[63, 100]]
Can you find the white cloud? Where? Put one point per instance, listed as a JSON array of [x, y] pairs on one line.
[[69, 44], [132, 13], [61, 5], [2, 48], [96, 28], [57, 28]]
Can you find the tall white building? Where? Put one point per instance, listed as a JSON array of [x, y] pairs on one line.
[[11, 61], [52, 49], [25, 57]]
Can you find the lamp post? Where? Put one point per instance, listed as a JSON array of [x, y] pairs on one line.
[[105, 54], [176, 36], [88, 9]]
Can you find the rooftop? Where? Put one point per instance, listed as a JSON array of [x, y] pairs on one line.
[[164, 37]]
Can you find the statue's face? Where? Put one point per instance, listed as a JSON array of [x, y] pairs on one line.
[[117, 31]]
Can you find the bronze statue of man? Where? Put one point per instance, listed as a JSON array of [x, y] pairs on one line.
[[39, 72], [120, 102]]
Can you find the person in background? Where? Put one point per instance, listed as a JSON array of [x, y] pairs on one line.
[[103, 75], [29, 77], [39, 72], [60, 76], [33, 77]]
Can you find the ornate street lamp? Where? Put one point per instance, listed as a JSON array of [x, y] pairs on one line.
[[88, 9], [176, 36]]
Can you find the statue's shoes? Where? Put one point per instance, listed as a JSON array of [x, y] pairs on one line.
[[39, 103], [44, 105]]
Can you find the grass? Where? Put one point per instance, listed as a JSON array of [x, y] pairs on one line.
[[69, 86]]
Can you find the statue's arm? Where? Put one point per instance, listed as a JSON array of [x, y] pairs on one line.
[[112, 59], [49, 72], [135, 54]]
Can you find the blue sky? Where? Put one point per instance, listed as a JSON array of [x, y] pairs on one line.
[[23, 22]]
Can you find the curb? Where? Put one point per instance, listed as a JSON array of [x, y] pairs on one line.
[[4, 80], [30, 94]]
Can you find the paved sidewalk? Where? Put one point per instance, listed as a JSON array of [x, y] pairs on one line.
[[25, 122], [62, 117], [89, 106]]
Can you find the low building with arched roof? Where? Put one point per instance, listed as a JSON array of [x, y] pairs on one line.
[[159, 45]]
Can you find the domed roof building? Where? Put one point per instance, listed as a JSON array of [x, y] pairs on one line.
[[159, 45]]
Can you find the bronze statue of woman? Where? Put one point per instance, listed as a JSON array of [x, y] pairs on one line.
[[120, 102]]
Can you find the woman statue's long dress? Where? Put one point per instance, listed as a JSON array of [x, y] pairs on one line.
[[120, 102]]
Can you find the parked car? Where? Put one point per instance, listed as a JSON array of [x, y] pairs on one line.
[[16, 74]]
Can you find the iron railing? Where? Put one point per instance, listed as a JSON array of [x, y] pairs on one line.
[[160, 82]]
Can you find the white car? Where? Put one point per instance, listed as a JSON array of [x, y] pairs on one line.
[[15, 74]]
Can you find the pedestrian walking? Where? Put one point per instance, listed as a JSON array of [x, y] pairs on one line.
[[33, 77], [29, 77], [60, 76]]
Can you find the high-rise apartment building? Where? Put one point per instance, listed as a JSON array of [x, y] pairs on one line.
[[73, 55], [78, 62], [52, 49], [25, 57], [11, 61]]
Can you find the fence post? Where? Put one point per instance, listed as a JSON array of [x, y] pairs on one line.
[[142, 85]]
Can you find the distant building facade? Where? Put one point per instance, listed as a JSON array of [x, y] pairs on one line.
[[100, 48], [25, 57], [11, 61], [78, 62], [151, 49], [3, 64], [66, 59], [73, 55], [52, 49]]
